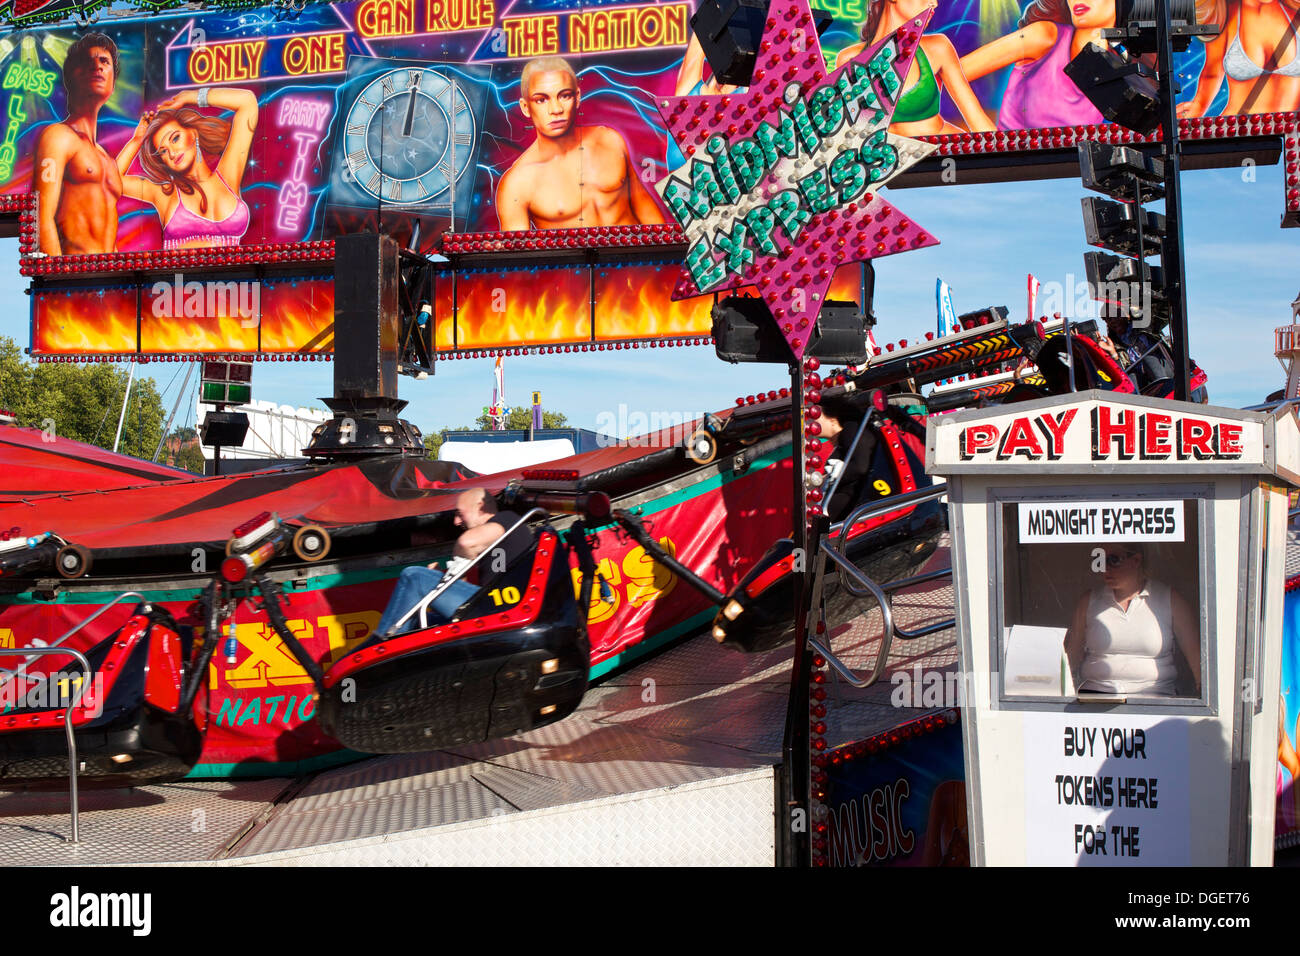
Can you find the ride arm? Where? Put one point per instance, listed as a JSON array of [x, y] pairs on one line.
[[275, 614], [211, 602], [577, 538], [632, 525]]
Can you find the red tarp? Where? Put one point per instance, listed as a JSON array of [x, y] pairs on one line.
[[97, 512], [33, 463]]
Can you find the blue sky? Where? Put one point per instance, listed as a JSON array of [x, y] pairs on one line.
[[1242, 274]]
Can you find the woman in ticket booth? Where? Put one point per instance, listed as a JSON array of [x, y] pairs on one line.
[[1125, 633]]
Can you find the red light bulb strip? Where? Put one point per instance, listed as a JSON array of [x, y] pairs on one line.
[[534, 240], [613, 346], [167, 259]]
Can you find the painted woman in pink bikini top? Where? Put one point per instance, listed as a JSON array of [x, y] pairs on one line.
[[185, 227], [174, 144]]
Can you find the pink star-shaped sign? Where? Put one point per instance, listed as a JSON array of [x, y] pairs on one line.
[[781, 181]]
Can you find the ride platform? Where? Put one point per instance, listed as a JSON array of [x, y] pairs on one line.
[[672, 762]]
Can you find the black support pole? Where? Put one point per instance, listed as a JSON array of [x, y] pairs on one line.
[[1171, 257], [795, 823]]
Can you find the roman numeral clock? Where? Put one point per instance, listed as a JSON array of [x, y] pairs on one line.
[[405, 135]]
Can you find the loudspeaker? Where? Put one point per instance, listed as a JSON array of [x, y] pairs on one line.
[[226, 429], [744, 331], [366, 319]]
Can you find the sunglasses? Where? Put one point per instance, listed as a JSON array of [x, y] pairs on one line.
[[1115, 560]]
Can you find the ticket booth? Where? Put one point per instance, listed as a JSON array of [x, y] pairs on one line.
[[1118, 563]]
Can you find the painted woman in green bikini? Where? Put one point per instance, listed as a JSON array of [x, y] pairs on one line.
[[936, 67]]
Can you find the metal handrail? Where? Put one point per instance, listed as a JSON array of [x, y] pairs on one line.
[[1271, 406], [889, 627], [865, 587], [451, 578], [882, 506], [886, 613], [67, 726], [22, 668]]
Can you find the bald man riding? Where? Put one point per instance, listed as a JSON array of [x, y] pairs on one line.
[[476, 512]]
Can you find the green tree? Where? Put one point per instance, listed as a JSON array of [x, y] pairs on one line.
[[189, 457], [434, 441], [81, 402], [522, 416], [431, 445]]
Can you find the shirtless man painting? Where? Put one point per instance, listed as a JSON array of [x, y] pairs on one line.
[[571, 175], [77, 182]]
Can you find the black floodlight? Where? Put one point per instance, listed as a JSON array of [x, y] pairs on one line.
[[1112, 170], [1135, 25], [224, 429], [1120, 90], [1115, 225], [994, 313], [745, 331], [1118, 284], [730, 32]]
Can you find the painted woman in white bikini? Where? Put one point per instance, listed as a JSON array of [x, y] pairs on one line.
[[1257, 50], [199, 205], [1123, 636]]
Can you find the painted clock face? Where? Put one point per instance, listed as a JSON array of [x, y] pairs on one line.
[[409, 133]]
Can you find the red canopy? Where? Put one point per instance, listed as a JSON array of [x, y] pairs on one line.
[[98, 512], [37, 463]]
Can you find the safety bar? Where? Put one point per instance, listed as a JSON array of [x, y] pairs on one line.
[[67, 725], [890, 628], [22, 668], [450, 578], [829, 493], [838, 532]]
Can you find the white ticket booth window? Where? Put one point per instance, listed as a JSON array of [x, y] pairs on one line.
[[1103, 596], [1119, 568]]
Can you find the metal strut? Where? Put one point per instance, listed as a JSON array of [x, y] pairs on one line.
[[577, 538], [275, 614], [632, 525], [211, 604]]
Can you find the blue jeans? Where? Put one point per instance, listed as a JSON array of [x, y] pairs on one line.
[[412, 586]]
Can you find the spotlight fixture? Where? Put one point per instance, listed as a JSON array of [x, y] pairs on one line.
[[730, 32], [1125, 284], [1135, 25], [1122, 90], [745, 331]]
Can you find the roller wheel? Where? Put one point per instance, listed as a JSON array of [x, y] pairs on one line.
[[701, 447], [72, 561], [311, 542]]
